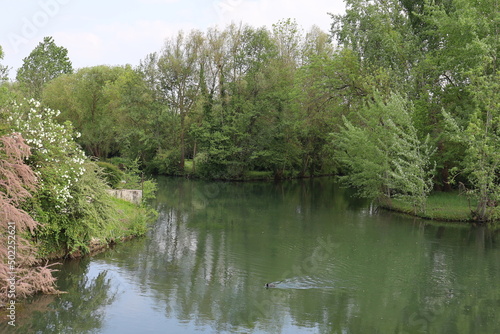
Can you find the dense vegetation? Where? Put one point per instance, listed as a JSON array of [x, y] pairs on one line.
[[54, 201], [400, 98]]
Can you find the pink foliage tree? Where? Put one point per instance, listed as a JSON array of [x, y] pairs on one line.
[[18, 254]]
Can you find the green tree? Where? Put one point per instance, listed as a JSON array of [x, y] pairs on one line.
[[86, 99], [383, 156], [482, 141], [467, 65], [46, 62], [327, 86], [141, 125], [161, 135], [179, 66], [4, 95], [381, 35]]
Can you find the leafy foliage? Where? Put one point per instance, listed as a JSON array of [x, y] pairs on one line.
[[243, 101], [18, 253], [3, 69], [383, 155], [112, 174], [72, 202], [46, 62], [56, 158]]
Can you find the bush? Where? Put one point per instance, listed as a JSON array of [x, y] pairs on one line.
[[112, 173], [166, 163], [16, 182]]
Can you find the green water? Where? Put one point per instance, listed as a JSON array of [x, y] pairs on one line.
[[338, 266]]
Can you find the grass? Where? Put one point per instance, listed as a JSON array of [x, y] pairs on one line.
[[133, 220], [444, 206], [258, 175]]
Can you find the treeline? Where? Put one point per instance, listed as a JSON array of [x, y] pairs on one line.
[[399, 98], [228, 102]]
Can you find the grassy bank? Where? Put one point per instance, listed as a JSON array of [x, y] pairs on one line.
[[129, 221], [443, 206], [132, 222]]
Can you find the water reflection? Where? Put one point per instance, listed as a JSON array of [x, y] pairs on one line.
[[82, 309], [338, 266]]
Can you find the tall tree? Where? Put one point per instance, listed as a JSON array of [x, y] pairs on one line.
[[179, 65], [470, 34], [3, 91], [380, 33], [46, 62]]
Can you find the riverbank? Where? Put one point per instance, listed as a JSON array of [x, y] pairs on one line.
[[132, 221], [251, 175], [441, 206]]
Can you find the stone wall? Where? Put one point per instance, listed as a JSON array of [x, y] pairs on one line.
[[134, 196]]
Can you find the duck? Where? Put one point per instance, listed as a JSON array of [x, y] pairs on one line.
[[270, 285]]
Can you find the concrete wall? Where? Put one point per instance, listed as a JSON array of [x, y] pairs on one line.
[[134, 196]]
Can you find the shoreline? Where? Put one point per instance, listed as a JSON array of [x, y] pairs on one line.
[[95, 248]]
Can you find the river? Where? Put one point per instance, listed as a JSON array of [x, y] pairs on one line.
[[335, 264]]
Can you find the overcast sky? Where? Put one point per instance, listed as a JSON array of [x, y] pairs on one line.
[[124, 32]]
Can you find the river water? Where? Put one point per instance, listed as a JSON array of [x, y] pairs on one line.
[[335, 264]]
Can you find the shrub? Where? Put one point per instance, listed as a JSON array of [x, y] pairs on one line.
[[166, 163], [16, 180], [112, 173]]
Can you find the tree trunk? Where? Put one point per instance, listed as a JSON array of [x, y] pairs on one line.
[[183, 149]]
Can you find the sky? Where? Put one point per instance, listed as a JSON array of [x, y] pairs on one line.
[[123, 32]]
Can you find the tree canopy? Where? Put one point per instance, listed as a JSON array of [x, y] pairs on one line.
[[391, 82], [46, 62]]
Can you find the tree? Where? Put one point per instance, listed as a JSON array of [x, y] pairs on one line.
[[162, 127], [180, 63], [46, 62], [17, 181], [481, 137], [383, 156], [85, 99], [381, 35], [288, 39], [144, 127], [4, 93], [327, 86], [467, 63]]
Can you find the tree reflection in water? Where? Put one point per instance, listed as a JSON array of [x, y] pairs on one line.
[[342, 268], [80, 310]]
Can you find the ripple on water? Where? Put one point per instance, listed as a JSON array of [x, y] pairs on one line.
[[304, 283]]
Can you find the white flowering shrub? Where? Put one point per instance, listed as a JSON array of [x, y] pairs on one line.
[[71, 202], [56, 157], [64, 183]]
